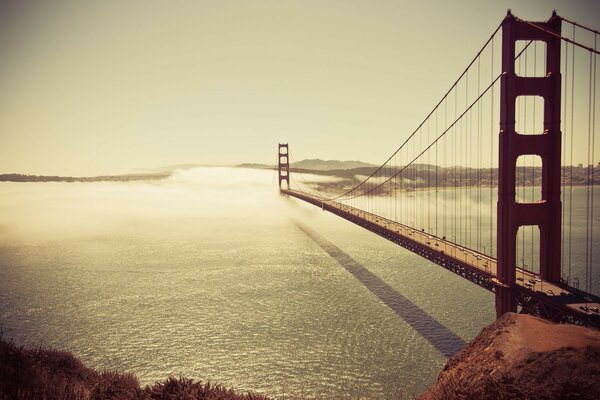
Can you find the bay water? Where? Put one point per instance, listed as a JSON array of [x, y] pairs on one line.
[[209, 275]]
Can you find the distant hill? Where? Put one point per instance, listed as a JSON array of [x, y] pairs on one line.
[[256, 166], [169, 168], [107, 178], [329, 165]]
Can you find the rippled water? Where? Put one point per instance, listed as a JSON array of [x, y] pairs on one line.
[[206, 275]]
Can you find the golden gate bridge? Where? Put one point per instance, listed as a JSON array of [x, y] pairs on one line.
[[484, 186]]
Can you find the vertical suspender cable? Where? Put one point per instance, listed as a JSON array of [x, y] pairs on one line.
[[492, 157], [467, 188], [588, 176], [571, 151], [520, 173], [436, 175], [564, 160], [532, 157], [593, 166], [428, 182], [446, 177], [479, 158], [454, 167]]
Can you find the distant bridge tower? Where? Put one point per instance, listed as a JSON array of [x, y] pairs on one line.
[[283, 165], [546, 214]]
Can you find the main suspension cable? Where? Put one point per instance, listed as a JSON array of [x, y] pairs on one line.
[[426, 118], [431, 144]]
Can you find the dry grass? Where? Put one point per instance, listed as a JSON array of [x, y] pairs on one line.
[[57, 375], [539, 378], [483, 371]]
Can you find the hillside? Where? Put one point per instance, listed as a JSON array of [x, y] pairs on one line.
[[328, 165], [106, 178], [523, 357], [516, 357], [422, 176], [37, 373]]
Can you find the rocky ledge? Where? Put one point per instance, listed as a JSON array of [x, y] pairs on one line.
[[523, 357]]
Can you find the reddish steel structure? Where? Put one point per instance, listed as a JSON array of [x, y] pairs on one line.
[[546, 214], [559, 302], [283, 164]]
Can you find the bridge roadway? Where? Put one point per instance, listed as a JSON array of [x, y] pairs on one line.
[[556, 302]]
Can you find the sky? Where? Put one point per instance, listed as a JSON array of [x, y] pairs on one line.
[[112, 86]]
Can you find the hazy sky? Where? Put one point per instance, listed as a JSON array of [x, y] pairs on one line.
[[108, 86]]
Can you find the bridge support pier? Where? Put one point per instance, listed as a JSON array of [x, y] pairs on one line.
[[546, 214], [505, 301]]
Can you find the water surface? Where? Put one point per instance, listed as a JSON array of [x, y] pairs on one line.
[[206, 275]]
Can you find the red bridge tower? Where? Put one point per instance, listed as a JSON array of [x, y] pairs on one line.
[[283, 165], [546, 214]]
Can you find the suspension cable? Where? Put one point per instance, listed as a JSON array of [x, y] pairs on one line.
[[426, 118], [304, 180], [432, 143], [579, 25], [453, 87], [548, 31]]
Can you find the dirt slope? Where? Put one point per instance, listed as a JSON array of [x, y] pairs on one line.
[[523, 357]]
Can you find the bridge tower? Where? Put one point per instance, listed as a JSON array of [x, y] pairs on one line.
[[546, 214], [283, 165]]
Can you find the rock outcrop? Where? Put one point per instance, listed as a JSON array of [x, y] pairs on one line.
[[523, 357]]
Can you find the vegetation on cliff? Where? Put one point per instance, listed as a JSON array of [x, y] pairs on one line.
[[523, 357], [57, 375], [516, 357]]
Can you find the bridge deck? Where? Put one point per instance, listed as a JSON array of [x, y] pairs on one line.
[[550, 300]]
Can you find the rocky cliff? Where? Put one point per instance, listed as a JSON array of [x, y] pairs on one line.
[[523, 357]]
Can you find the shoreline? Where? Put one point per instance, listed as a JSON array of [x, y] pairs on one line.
[[38, 373], [516, 356]]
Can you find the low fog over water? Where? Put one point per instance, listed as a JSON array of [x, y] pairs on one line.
[[212, 275]]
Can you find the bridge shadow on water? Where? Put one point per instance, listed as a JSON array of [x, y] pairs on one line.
[[440, 337]]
